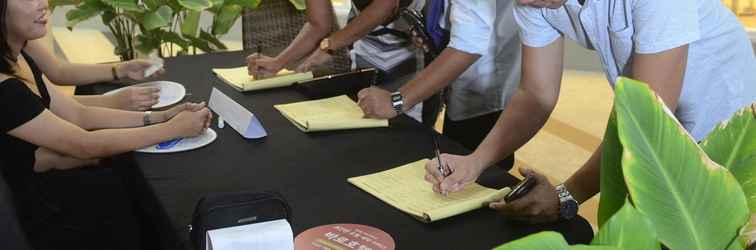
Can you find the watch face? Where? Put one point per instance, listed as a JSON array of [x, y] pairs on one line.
[[324, 44], [396, 98], [568, 209]]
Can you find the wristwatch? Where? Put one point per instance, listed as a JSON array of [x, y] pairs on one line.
[[147, 118], [397, 101], [325, 46], [568, 206]]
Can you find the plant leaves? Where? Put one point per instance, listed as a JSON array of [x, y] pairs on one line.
[[128, 5], [543, 241], [223, 21], [158, 18], [299, 4], [56, 3], [84, 11], [190, 24], [250, 4], [195, 5], [613, 189], [627, 229], [213, 40], [732, 144], [670, 179]]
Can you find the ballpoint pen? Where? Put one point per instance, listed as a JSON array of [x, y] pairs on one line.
[[441, 168]]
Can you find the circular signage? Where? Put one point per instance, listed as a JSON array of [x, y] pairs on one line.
[[344, 236]]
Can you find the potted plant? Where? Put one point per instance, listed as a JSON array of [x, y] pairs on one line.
[[661, 189], [167, 27]]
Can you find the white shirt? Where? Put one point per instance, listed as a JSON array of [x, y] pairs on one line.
[[721, 70], [485, 28]]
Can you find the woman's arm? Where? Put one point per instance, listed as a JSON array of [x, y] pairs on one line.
[[46, 159]]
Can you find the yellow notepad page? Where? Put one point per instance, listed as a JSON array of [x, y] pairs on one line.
[[240, 79], [333, 113], [406, 189]]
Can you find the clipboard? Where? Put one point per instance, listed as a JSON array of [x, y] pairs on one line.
[[348, 83]]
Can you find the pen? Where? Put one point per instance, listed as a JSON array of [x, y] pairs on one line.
[[441, 168]]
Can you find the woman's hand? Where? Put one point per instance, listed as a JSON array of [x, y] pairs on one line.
[[261, 66], [316, 59], [464, 170], [191, 123], [46, 159], [166, 115], [135, 69], [135, 98], [540, 205]]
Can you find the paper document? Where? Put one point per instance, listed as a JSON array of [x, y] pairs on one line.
[[328, 114], [269, 235], [406, 189], [240, 79]]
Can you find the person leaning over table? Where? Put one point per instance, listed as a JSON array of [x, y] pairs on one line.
[[63, 72], [481, 64], [372, 30], [44, 131], [694, 54]]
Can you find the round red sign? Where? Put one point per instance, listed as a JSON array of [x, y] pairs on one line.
[[344, 237]]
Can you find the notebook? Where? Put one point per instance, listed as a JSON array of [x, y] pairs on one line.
[[240, 79], [405, 188], [335, 113]]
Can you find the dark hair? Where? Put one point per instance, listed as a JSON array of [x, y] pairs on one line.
[[7, 61]]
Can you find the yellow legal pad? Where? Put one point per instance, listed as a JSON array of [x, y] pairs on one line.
[[334, 113], [406, 189], [240, 79]]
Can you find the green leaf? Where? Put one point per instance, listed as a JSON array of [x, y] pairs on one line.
[[213, 40], [299, 4], [147, 43], [56, 3], [174, 38], [223, 21], [627, 229], [597, 247], [613, 190], [200, 44], [214, 3], [732, 144], [152, 4], [250, 4], [190, 24], [542, 240], [128, 5], [692, 202], [158, 18], [85, 11], [107, 17], [195, 5]]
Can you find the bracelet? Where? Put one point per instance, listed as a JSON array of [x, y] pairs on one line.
[[113, 71], [147, 118]]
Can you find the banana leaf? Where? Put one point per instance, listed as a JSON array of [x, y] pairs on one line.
[[158, 18], [547, 241], [692, 202], [732, 144], [613, 190], [627, 229]]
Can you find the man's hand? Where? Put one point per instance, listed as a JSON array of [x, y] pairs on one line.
[[376, 103]]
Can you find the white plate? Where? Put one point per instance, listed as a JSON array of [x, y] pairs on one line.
[[170, 92], [184, 144]]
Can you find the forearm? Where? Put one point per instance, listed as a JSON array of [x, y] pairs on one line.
[[305, 42], [92, 118], [377, 13], [81, 74], [439, 74], [104, 101], [519, 122], [101, 143], [585, 183], [46, 159]]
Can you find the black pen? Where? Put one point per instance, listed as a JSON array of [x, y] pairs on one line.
[[441, 168]]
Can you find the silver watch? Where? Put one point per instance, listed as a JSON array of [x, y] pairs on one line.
[[397, 101], [568, 206], [147, 118]]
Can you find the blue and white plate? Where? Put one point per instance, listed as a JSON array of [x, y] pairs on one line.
[[182, 144]]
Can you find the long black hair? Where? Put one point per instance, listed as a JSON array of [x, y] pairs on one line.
[[7, 60]]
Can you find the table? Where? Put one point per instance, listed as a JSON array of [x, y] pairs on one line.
[[310, 170]]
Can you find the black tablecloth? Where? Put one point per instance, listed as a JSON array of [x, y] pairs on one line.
[[310, 170]]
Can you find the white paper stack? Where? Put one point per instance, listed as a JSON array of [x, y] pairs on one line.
[[270, 235]]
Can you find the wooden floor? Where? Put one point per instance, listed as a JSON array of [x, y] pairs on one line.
[[567, 140]]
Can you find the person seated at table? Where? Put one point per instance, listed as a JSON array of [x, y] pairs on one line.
[[373, 31], [480, 66], [44, 131], [63, 72], [694, 54]]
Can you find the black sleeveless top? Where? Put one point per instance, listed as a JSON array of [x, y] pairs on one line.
[[19, 105]]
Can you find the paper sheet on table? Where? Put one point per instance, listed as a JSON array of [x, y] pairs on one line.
[[405, 188], [240, 79], [333, 113], [269, 235]]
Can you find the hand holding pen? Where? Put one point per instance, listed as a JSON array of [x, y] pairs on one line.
[[261, 66], [451, 173]]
